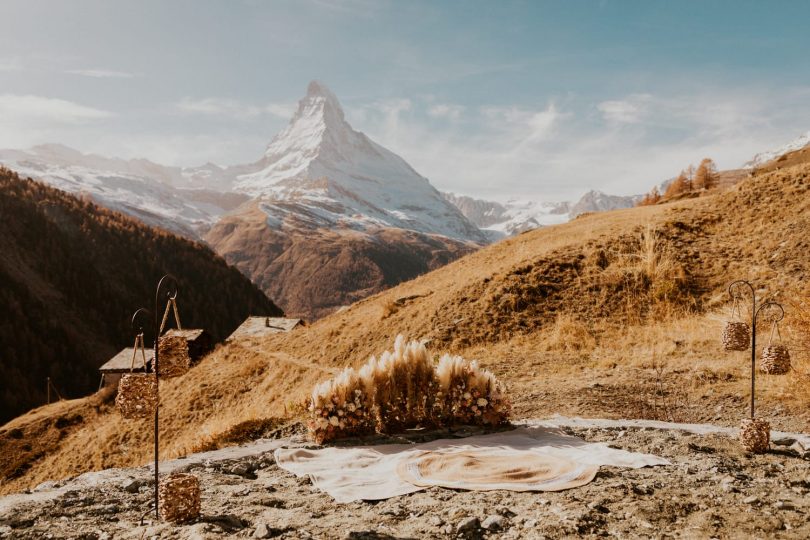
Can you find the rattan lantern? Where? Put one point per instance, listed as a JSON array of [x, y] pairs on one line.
[[736, 333], [137, 392], [179, 497], [775, 359], [137, 395], [736, 336], [174, 357], [755, 435]]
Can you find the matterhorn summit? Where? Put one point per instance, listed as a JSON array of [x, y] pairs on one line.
[[320, 172]]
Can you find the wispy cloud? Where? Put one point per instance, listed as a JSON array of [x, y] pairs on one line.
[[38, 109], [102, 73], [446, 110], [233, 108], [630, 110]]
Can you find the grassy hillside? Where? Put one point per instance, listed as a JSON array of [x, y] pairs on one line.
[[72, 273], [615, 314]]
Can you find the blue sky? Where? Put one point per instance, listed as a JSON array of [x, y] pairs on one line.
[[494, 99]]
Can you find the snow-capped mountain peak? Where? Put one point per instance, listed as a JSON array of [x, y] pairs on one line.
[[320, 167], [763, 157]]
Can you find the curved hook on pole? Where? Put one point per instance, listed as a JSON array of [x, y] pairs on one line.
[[739, 283], [170, 294], [139, 312], [772, 304]]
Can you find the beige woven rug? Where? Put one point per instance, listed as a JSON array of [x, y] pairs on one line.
[[523, 459], [482, 469]]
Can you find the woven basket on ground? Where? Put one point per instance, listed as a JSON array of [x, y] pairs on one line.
[[174, 359], [736, 336], [775, 360], [755, 435], [137, 395], [179, 495]]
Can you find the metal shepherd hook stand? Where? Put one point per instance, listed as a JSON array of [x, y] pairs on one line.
[[170, 293], [734, 292]]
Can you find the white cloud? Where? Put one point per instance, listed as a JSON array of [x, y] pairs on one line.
[[446, 110], [21, 109], [234, 108], [101, 73], [625, 111]]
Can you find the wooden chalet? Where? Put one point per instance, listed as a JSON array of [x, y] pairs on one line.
[[255, 327], [122, 363]]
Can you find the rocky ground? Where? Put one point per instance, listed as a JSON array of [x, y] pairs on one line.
[[712, 489]]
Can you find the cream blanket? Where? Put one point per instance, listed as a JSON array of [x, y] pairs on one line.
[[524, 459]]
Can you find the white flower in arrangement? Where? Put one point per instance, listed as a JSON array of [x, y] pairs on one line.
[[340, 412], [334, 421], [351, 407], [482, 402], [467, 395], [323, 423]]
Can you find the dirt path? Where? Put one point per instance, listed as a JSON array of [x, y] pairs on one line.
[[711, 490]]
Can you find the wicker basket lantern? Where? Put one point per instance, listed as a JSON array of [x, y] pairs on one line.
[[137, 395], [174, 359], [755, 435], [137, 392], [775, 360], [736, 336], [179, 497]]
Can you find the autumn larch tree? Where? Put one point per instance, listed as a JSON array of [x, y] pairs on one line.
[[706, 176]]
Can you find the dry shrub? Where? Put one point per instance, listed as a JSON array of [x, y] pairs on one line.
[[799, 378], [404, 389], [243, 432], [648, 275], [569, 334], [389, 308]]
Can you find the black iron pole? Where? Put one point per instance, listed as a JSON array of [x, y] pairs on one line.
[[753, 332], [169, 294]]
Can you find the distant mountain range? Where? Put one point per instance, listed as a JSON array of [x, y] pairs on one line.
[[72, 274], [325, 217]]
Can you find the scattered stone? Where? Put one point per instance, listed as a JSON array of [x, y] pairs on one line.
[[240, 469], [131, 485], [530, 524], [493, 523], [753, 499], [467, 524], [262, 531], [436, 521], [784, 505]]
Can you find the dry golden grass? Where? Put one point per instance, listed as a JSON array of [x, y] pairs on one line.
[[615, 314]]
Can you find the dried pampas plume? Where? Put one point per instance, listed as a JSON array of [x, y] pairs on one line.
[[404, 389]]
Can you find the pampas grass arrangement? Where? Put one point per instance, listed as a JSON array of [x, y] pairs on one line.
[[403, 389], [341, 407], [469, 394]]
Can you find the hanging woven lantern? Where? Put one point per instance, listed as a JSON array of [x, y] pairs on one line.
[[736, 336], [755, 435], [179, 497], [137, 395], [775, 360], [174, 359]]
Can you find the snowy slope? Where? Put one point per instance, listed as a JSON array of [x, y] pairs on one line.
[[764, 157], [138, 187], [499, 220]]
